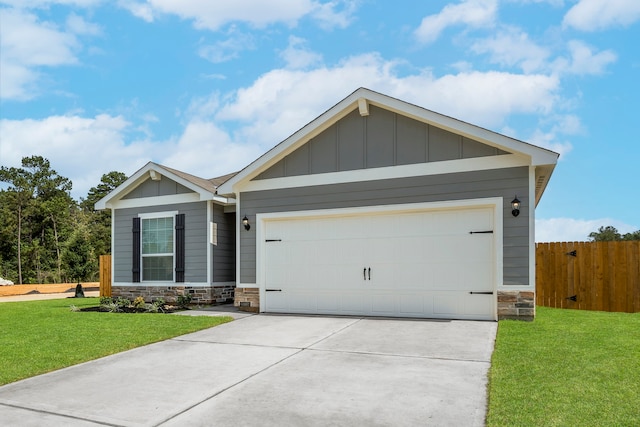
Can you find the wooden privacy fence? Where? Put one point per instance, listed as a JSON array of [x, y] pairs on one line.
[[601, 276], [105, 275]]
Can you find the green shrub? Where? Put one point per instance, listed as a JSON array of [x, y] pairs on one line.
[[183, 300]]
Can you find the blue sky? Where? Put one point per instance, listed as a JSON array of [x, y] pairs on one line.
[[206, 87]]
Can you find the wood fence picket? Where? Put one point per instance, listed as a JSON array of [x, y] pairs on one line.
[[602, 276]]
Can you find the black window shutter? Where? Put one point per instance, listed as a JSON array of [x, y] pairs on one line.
[[180, 248], [136, 251]]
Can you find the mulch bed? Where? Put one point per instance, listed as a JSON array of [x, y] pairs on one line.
[[167, 309]]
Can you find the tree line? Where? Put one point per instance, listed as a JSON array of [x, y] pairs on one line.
[[611, 234], [45, 235]]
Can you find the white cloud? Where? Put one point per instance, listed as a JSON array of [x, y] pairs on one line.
[[25, 44], [575, 230], [225, 50], [283, 100], [473, 13], [212, 15], [224, 132], [33, 4], [77, 25], [143, 11], [208, 151], [329, 17], [79, 148], [593, 15], [215, 14], [512, 47], [584, 60], [297, 55]]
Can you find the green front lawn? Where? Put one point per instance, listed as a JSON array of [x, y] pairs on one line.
[[567, 368], [41, 336]]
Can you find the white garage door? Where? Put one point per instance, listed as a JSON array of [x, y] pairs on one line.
[[436, 264]]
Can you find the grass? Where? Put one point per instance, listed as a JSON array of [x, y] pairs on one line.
[[42, 336], [567, 368]]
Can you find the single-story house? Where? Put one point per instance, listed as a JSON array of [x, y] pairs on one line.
[[378, 207]]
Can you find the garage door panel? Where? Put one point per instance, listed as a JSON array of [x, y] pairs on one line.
[[328, 302], [446, 304], [411, 304], [423, 264], [383, 304], [353, 303], [477, 305]]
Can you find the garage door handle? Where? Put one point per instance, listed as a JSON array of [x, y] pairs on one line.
[[481, 293], [364, 273], [369, 273]]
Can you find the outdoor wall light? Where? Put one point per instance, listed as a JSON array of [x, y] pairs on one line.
[[515, 207], [245, 222]]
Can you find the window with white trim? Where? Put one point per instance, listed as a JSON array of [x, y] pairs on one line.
[[157, 247]]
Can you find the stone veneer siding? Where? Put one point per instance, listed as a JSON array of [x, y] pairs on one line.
[[199, 294], [247, 299], [517, 305]]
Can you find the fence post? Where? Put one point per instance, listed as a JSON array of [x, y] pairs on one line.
[[105, 275]]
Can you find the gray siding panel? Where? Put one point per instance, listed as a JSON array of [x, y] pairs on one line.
[[195, 240], [163, 187], [297, 163], [503, 183], [380, 139], [411, 141], [443, 145], [471, 148], [351, 142], [224, 253], [324, 151]]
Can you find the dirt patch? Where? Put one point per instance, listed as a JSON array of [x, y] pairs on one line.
[[52, 288]]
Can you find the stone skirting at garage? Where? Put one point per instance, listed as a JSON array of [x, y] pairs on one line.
[[517, 305], [247, 299], [199, 294]]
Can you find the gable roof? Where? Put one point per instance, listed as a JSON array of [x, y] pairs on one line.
[[205, 188], [542, 159]]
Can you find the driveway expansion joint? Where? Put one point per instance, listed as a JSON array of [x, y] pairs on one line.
[[411, 356], [58, 414], [226, 389]]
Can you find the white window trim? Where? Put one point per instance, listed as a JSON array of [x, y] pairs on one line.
[[153, 215]]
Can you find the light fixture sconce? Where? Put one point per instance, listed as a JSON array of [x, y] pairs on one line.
[[245, 222], [515, 207]]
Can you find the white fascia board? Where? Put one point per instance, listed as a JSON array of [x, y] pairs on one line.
[[154, 201], [389, 172], [114, 199]]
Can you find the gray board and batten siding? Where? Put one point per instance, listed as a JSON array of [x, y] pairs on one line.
[[428, 188], [224, 252], [161, 187], [196, 241], [383, 138]]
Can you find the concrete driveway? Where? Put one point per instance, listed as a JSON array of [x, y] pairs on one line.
[[268, 370]]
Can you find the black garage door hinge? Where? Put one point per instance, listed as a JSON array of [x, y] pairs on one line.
[[481, 232], [273, 290], [481, 293], [273, 240]]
